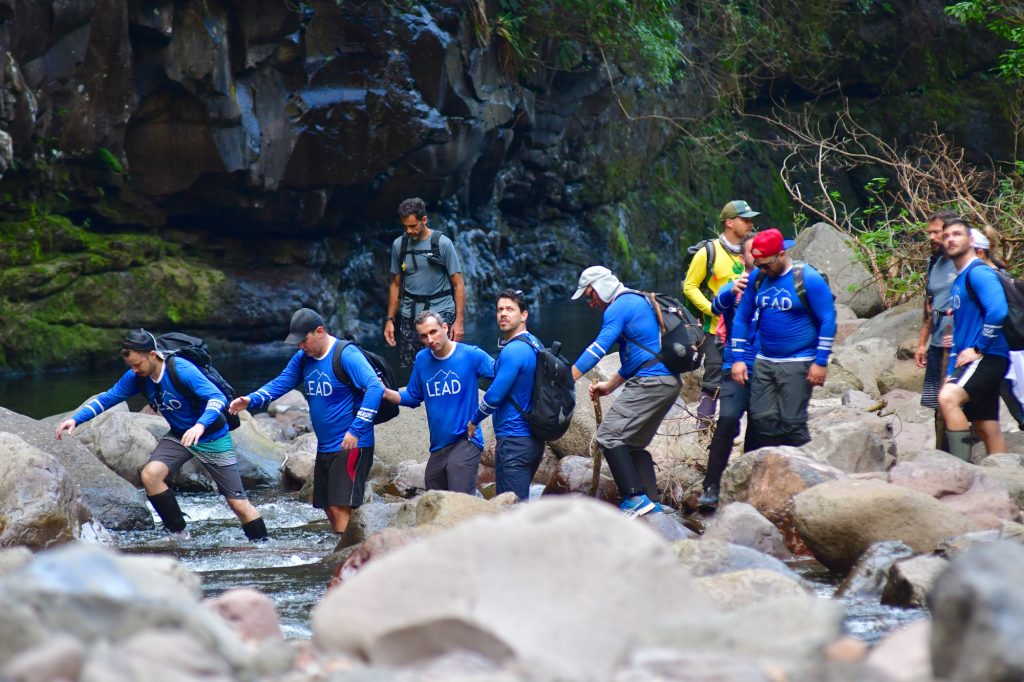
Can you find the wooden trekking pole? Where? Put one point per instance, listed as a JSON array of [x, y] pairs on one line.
[[596, 450]]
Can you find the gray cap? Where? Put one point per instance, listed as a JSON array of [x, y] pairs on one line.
[[737, 209], [304, 321]]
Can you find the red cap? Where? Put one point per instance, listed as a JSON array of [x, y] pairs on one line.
[[767, 243]]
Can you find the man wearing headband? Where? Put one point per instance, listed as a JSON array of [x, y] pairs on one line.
[[650, 387], [198, 429]]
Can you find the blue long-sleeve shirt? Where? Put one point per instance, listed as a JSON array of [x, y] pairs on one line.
[[974, 324], [724, 304], [175, 406], [448, 387], [627, 321], [787, 330], [513, 380], [334, 408]]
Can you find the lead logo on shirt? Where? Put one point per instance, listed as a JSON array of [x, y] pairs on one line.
[[443, 383], [776, 298], [318, 384]]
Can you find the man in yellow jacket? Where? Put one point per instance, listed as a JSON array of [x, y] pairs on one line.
[[715, 262]]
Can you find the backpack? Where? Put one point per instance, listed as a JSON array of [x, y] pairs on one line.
[[682, 336], [174, 345], [800, 286], [1013, 325], [709, 248], [554, 393], [381, 367], [432, 256]]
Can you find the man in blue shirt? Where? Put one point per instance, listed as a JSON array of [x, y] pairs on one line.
[[198, 429], [445, 376], [342, 416], [937, 326], [979, 355], [796, 334], [650, 388], [518, 452]]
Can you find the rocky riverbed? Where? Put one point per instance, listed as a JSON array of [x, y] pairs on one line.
[[864, 555]]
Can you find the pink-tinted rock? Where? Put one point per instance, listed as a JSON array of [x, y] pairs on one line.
[[250, 612], [934, 476], [987, 503]]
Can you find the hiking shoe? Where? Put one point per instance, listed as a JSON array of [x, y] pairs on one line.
[[709, 500], [181, 534], [637, 505]]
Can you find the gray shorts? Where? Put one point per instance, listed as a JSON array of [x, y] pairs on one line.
[[637, 412], [454, 467], [171, 452]]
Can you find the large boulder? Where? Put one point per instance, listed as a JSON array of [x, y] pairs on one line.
[[114, 501], [835, 255], [95, 594], [39, 503], [118, 439], [850, 446], [870, 574], [444, 593], [840, 519], [868, 359], [708, 557], [768, 479], [731, 591], [739, 523], [444, 509], [977, 609], [910, 580], [899, 326]]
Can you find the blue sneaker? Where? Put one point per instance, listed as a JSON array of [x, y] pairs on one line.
[[637, 505]]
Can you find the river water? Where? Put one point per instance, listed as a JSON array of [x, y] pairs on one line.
[[288, 567]]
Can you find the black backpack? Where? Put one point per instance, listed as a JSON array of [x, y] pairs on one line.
[[554, 393], [174, 345], [381, 367], [682, 336], [1013, 325]]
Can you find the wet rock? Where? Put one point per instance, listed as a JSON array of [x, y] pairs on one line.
[[575, 475], [787, 636], [300, 459], [977, 608], [367, 520], [869, 575], [439, 595], [712, 557], [60, 658], [259, 456], [840, 519], [730, 591], [39, 503], [904, 655], [768, 479], [95, 594], [178, 655], [292, 401], [250, 612], [113, 501], [830, 252], [118, 439], [910, 580], [668, 526], [740, 524]]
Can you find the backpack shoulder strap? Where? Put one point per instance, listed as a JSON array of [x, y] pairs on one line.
[[709, 248], [403, 250], [180, 386], [800, 285], [339, 369], [140, 384], [970, 287]]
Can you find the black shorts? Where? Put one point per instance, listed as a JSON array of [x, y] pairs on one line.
[[981, 380], [171, 452], [339, 478]]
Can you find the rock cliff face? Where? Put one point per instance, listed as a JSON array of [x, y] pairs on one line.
[[213, 164]]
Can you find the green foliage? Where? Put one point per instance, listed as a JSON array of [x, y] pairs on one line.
[[1006, 20], [639, 32], [108, 159]]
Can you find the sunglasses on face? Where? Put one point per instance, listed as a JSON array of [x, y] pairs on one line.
[[767, 263]]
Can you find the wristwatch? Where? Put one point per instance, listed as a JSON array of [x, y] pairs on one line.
[[389, 319]]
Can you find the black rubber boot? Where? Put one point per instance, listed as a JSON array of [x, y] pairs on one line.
[[255, 530], [960, 443], [167, 508], [643, 464], [620, 461]]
